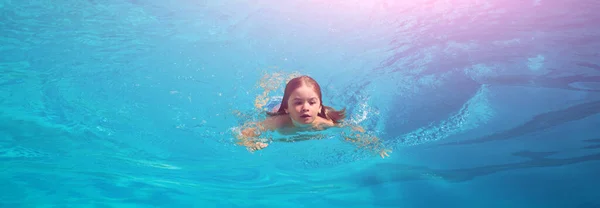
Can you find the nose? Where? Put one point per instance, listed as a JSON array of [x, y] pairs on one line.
[[305, 108]]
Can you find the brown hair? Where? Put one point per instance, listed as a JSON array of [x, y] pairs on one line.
[[326, 111]]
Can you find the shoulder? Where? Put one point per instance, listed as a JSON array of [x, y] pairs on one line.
[[324, 122], [274, 122]]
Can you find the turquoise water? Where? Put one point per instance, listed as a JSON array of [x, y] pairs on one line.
[[132, 103]]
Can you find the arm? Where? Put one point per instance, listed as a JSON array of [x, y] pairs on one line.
[[248, 136], [359, 138]]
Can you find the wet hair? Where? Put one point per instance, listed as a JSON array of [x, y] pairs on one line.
[[326, 111]]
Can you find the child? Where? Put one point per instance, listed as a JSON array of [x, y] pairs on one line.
[[302, 110]]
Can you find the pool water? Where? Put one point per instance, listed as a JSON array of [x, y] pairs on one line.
[[484, 103]]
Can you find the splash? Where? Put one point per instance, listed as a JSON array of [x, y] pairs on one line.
[[475, 112], [269, 83], [363, 114], [480, 72]]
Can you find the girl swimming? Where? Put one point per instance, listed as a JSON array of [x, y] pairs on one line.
[[302, 110]]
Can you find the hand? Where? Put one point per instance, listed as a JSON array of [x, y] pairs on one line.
[[358, 128], [384, 153], [250, 132], [245, 140], [256, 146]]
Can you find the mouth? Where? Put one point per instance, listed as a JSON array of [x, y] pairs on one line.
[[305, 116]]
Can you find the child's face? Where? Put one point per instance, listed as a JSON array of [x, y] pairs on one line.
[[304, 105]]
